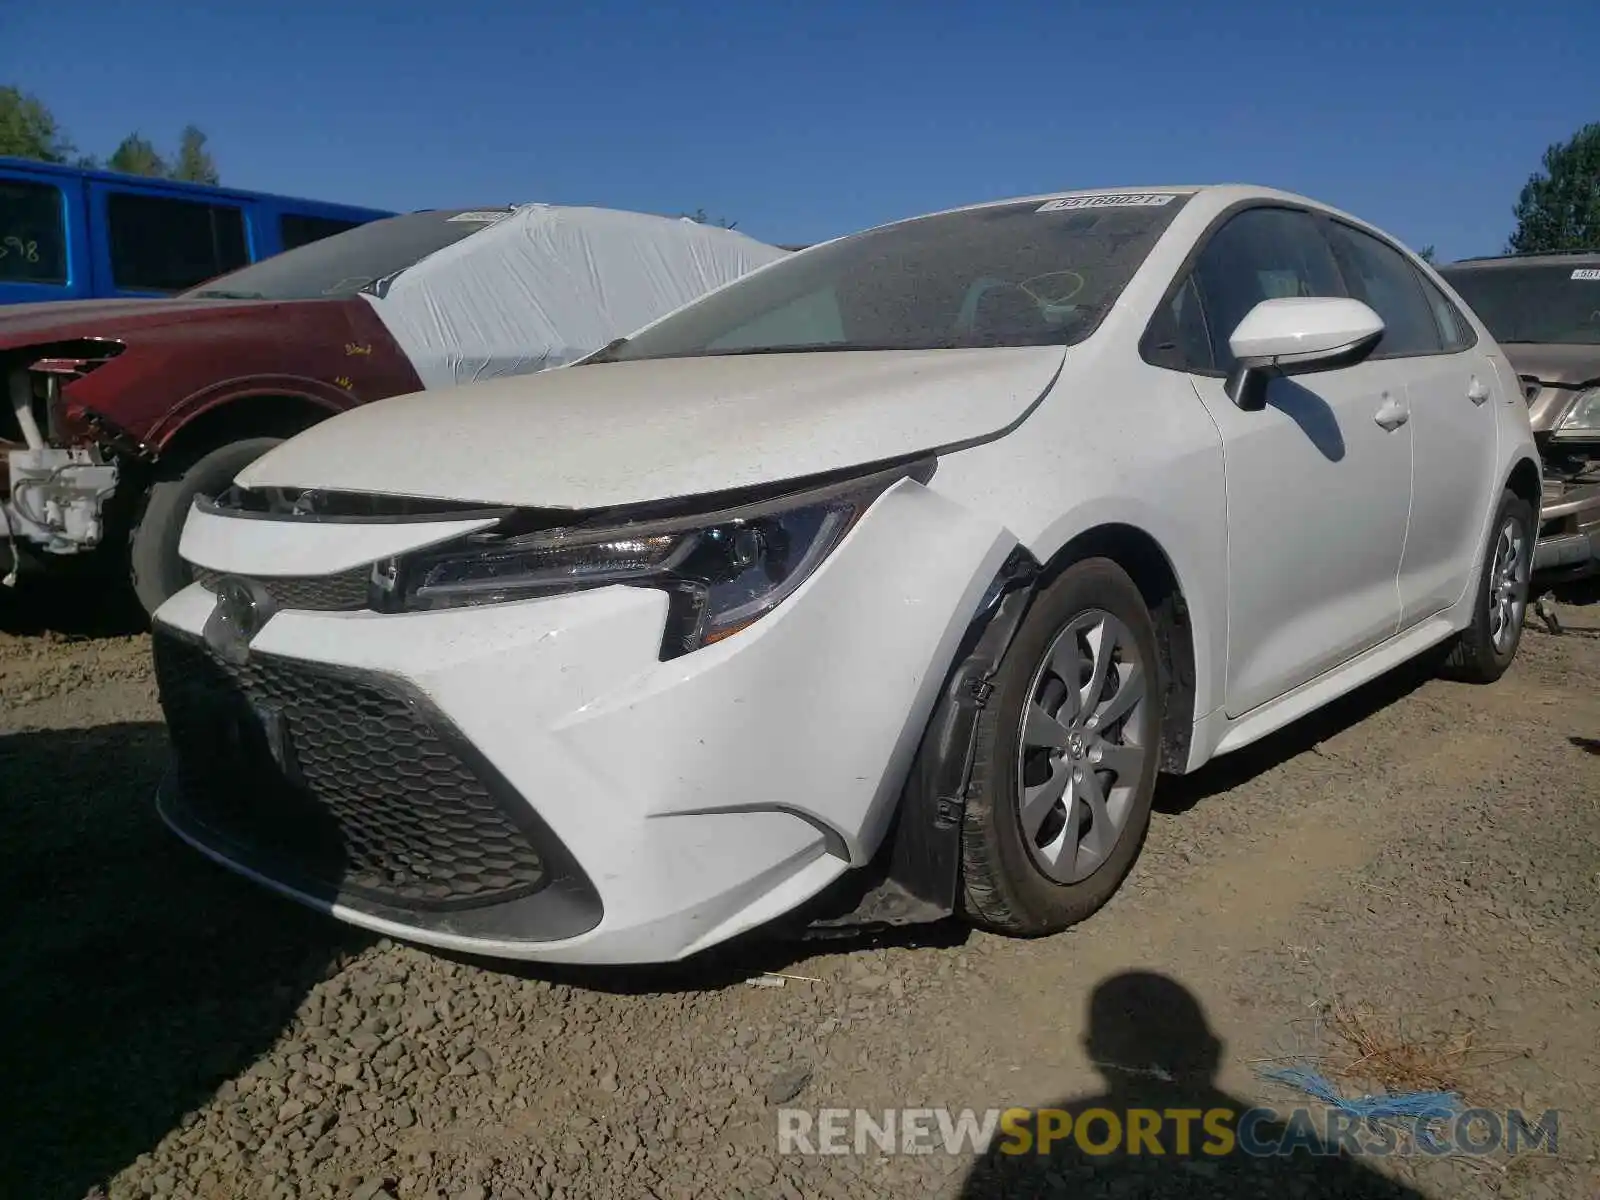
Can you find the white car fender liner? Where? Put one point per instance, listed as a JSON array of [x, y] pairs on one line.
[[916, 874]]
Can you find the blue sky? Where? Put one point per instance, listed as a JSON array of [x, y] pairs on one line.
[[803, 121]]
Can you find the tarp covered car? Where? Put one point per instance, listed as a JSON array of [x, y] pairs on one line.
[[122, 412]]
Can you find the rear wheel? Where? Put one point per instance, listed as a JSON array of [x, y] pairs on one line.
[[1482, 652], [157, 570], [1067, 756]]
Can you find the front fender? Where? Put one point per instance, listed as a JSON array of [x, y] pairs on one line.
[[1195, 546]]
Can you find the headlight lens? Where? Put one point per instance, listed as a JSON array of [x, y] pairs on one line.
[[722, 570], [1583, 419]]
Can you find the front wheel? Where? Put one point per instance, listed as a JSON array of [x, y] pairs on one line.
[[157, 570], [1067, 756], [1484, 649]]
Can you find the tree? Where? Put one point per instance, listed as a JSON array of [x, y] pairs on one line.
[[28, 129], [194, 160], [1559, 208], [137, 156], [698, 216]]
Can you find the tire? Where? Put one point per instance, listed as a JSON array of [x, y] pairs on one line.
[[1484, 649], [1029, 884], [156, 570]]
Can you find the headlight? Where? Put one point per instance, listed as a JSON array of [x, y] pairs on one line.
[[722, 570], [1583, 418]]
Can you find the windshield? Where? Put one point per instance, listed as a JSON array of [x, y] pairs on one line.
[[1552, 303], [348, 262], [1029, 274]]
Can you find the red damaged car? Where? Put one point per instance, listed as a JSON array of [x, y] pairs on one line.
[[122, 412]]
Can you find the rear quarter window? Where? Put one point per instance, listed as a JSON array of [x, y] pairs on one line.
[[1454, 329]]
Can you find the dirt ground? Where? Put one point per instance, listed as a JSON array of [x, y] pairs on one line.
[[1404, 890]]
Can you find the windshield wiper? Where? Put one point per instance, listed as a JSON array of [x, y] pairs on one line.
[[211, 294]]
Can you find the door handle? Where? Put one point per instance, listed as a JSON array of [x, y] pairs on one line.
[[1477, 390], [1392, 415]]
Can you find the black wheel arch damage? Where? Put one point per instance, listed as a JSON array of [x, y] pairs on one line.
[[915, 876]]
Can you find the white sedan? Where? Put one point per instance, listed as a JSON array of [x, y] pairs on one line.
[[878, 585]]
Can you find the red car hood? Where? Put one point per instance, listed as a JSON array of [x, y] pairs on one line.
[[24, 324]]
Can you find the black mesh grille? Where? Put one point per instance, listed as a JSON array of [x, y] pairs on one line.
[[344, 592], [337, 781]]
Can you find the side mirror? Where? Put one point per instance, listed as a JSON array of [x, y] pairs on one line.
[[1296, 335]]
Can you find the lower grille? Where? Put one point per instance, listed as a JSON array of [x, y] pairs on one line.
[[344, 592], [337, 781]]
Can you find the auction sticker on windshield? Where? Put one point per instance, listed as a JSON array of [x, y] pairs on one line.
[[1587, 273], [1118, 200]]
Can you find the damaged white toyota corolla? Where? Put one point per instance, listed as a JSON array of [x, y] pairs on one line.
[[876, 586]]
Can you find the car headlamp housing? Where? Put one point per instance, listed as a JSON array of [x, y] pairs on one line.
[[722, 570], [1582, 422]]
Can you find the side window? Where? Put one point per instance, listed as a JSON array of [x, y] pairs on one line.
[[33, 234], [160, 244], [1381, 277], [1454, 328], [1261, 254], [297, 229]]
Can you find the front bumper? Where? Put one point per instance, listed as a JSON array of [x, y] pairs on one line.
[[1569, 531], [592, 803]]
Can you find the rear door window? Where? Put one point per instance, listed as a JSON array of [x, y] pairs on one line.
[[33, 233], [163, 244]]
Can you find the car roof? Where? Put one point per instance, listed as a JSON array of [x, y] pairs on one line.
[[1222, 194], [1559, 258], [1217, 196]]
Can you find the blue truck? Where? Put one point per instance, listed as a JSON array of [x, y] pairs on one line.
[[72, 233]]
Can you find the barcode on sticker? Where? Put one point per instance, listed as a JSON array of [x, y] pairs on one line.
[[1117, 200], [1587, 273]]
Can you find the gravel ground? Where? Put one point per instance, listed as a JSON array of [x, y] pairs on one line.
[[1426, 855]]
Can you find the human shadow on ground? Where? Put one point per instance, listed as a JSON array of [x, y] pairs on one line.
[[1149, 1037], [139, 976]]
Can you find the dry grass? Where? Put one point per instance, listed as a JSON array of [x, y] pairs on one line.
[[1373, 1050]]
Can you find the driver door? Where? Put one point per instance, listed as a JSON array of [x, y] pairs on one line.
[[1318, 491]]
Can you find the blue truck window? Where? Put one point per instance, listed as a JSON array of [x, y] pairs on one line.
[[161, 244], [33, 241], [77, 233]]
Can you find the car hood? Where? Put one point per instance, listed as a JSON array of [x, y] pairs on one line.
[[631, 432], [27, 324], [1554, 364]]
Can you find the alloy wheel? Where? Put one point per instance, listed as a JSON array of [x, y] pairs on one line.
[[1508, 583], [1082, 746]]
